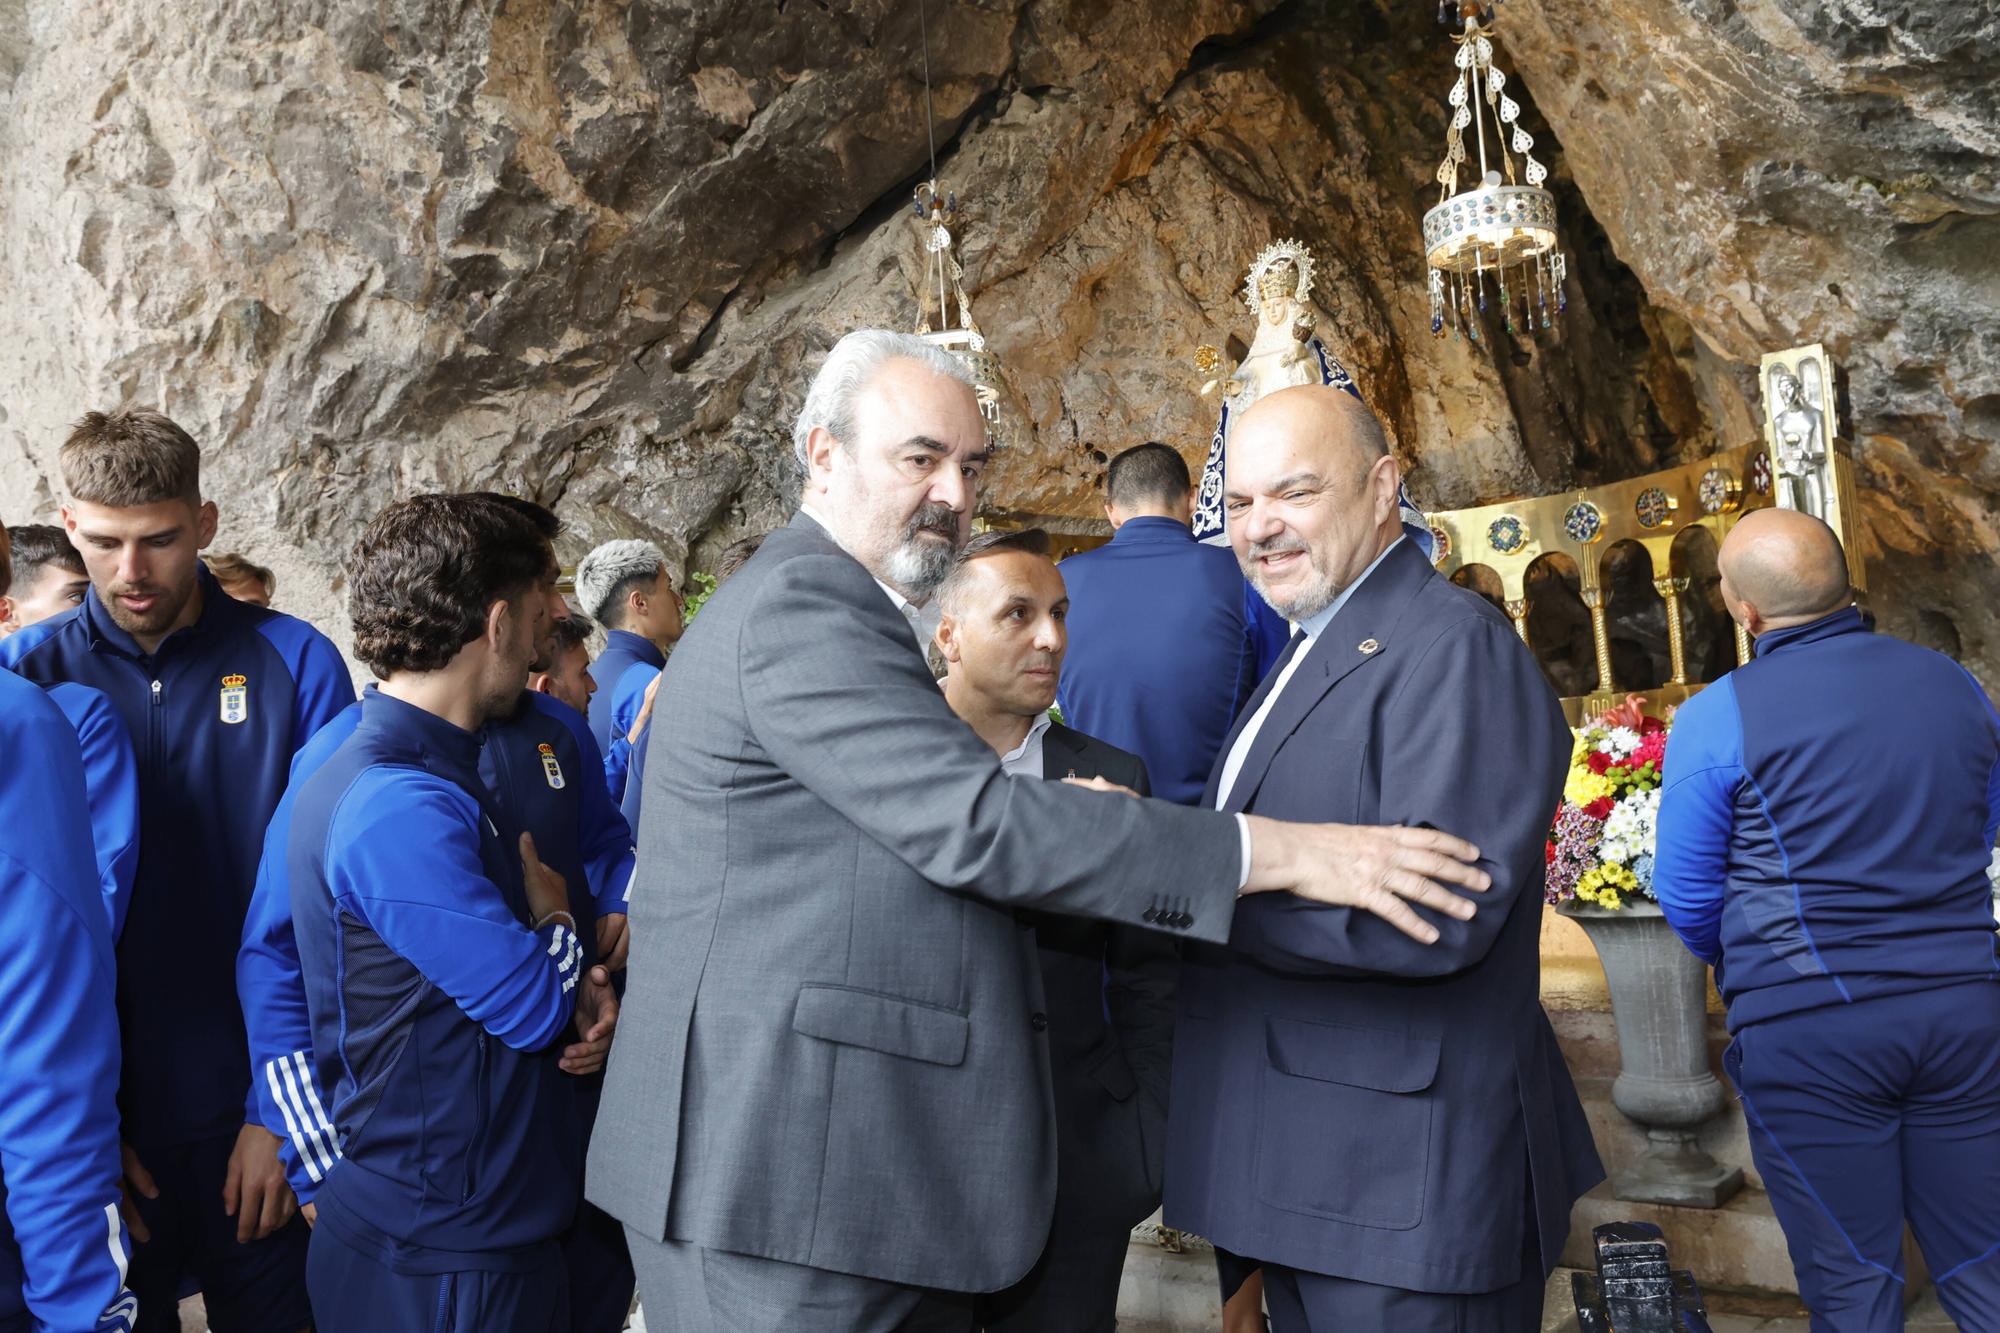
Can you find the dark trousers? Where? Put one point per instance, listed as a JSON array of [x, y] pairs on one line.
[[1073, 1287], [684, 1288], [600, 1271], [255, 1288], [1301, 1302], [1864, 1114], [354, 1292]]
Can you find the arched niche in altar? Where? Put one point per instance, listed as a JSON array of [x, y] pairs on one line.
[[1640, 658], [1484, 580], [1710, 634], [1559, 624]]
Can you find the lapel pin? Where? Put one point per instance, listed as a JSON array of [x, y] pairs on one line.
[[1369, 646]]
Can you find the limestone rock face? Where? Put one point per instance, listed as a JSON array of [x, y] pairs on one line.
[[589, 250], [1778, 172]]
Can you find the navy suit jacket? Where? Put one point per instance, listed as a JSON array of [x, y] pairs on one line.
[[1160, 651], [1346, 1100], [1108, 989]]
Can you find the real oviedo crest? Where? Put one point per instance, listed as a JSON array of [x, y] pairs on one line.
[[235, 699], [550, 768]]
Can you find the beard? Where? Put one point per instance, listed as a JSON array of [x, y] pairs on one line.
[[1318, 592], [917, 564], [166, 606]]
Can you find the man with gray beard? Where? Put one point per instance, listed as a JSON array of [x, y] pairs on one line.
[[830, 1107]]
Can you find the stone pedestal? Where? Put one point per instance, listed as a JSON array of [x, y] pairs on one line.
[[1664, 1084]]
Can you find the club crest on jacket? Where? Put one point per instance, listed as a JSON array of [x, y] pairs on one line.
[[550, 768], [235, 699]]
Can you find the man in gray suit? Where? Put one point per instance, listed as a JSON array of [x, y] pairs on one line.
[[830, 1108]]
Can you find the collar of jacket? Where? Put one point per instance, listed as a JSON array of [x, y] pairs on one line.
[[638, 645], [423, 732], [218, 609], [1153, 528], [1845, 621]]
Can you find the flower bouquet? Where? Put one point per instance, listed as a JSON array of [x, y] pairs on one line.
[[1600, 849]]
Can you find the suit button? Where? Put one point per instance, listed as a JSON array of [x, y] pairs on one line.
[[1039, 1022], [1150, 914], [1184, 919]]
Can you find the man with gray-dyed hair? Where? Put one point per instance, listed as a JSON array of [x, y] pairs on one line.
[[624, 585], [829, 1106]]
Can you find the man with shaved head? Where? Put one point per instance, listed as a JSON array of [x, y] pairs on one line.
[[1386, 1130], [1828, 816]]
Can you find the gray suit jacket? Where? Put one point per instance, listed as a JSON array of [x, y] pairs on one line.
[[832, 1051]]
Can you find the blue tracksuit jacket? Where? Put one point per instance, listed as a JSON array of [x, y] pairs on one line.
[[1826, 821], [577, 833], [215, 717], [111, 780], [435, 1007], [1161, 652], [62, 1247], [622, 671]]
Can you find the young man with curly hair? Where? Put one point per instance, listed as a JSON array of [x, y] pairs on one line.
[[442, 963]]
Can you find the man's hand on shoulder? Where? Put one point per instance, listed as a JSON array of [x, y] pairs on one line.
[[1378, 870]]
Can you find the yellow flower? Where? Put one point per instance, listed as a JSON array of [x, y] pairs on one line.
[[1584, 786], [1604, 885]]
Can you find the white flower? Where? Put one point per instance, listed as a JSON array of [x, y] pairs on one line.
[[1631, 829]]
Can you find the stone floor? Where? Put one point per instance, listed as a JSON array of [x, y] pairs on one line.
[[1194, 1312], [1740, 1314]]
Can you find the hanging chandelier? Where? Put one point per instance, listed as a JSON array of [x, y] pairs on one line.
[[936, 210], [1495, 241], [936, 207]]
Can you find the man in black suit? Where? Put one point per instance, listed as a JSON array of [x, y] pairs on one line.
[[1108, 989], [1387, 1130]]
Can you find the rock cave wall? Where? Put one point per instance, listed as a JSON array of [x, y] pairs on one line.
[[588, 251]]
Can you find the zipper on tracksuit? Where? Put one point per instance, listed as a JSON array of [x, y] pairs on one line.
[[477, 1144], [155, 727]]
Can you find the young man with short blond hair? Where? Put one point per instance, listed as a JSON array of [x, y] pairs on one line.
[[217, 696]]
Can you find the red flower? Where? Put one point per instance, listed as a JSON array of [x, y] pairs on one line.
[[1652, 749], [1548, 853], [1597, 761], [1631, 713], [1600, 809]]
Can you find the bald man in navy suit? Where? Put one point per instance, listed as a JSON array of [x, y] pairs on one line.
[[1385, 1128]]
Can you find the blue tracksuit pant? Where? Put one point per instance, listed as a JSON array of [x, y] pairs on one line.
[[1863, 1114], [357, 1293]]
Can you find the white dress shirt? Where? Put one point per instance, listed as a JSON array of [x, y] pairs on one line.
[[1025, 759], [1312, 626]]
